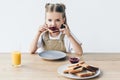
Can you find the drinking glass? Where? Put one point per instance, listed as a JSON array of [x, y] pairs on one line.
[[16, 58]]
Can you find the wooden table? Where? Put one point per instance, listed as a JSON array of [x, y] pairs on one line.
[[35, 68]]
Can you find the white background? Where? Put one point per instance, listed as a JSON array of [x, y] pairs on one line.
[[96, 23]]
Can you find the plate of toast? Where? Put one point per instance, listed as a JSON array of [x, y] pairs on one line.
[[52, 55], [79, 70]]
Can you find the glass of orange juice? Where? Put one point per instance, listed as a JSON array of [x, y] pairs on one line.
[[16, 58]]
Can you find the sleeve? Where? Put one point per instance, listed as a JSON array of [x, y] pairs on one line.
[[40, 43], [68, 45], [76, 39]]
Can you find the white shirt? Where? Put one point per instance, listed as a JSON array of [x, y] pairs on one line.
[[68, 45]]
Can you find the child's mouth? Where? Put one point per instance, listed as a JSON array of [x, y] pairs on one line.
[[53, 29]]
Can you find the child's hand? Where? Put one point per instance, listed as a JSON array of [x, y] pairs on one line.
[[43, 28], [66, 30]]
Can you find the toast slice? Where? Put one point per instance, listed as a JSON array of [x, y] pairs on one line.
[[84, 73], [53, 29]]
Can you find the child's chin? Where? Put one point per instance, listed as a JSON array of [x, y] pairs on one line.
[[56, 31]]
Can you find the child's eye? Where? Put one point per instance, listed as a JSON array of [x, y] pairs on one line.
[[49, 20], [57, 19]]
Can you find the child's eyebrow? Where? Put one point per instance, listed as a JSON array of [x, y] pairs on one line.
[[58, 18], [52, 19]]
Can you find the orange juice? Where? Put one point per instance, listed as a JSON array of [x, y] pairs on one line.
[[16, 58]]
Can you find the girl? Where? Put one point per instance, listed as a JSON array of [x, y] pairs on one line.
[[50, 36]]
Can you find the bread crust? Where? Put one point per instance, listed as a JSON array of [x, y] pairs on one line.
[[81, 69], [53, 30]]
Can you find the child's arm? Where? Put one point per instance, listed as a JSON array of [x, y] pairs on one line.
[[76, 46], [33, 46]]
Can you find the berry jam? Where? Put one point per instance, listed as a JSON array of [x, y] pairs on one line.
[[53, 28], [74, 60]]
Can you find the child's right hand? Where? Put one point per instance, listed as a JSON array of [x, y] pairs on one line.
[[43, 28]]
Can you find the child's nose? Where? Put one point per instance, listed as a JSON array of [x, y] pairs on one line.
[[53, 23]]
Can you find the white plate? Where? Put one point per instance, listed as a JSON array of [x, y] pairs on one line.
[[64, 67], [52, 55]]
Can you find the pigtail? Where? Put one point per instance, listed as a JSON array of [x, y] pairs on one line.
[[63, 6]]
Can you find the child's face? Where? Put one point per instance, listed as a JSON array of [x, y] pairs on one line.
[[54, 19]]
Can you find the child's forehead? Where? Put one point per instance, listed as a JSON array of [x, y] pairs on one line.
[[53, 15]]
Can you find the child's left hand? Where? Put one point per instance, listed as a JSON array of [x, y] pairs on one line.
[[66, 30]]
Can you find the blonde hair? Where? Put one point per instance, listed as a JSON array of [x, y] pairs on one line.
[[58, 7]]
